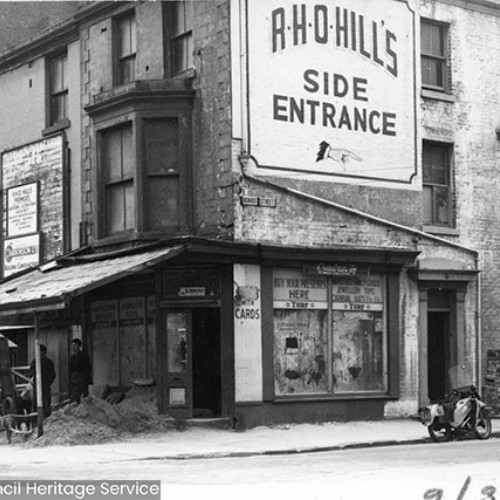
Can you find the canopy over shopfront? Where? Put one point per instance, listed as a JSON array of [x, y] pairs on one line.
[[53, 285]]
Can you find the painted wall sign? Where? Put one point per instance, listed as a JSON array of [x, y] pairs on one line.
[[337, 96], [296, 290], [22, 209], [41, 161], [20, 253]]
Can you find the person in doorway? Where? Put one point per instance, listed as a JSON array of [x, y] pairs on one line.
[[80, 372], [48, 376]]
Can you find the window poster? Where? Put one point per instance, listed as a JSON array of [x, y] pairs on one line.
[[358, 351], [329, 333], [300, 348]]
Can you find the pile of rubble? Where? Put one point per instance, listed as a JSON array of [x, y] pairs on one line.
[[95, 420]]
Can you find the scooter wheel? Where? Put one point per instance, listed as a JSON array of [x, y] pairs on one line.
[[439, 433], [482, 429]]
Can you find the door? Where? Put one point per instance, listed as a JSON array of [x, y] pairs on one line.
[[437, 362], [179, 363]]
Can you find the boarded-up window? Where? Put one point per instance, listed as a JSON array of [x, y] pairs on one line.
[[163, 177]]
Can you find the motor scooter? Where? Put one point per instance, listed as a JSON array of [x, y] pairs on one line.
[[462, 412]]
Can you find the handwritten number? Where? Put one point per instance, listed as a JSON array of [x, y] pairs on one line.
[[464, 489], [488, 491], [433, 494]]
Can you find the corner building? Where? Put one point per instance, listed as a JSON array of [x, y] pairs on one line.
[[270, 211]]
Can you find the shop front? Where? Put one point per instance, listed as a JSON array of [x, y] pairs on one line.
[[326, 344]]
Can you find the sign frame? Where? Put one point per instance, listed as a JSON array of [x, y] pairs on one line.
[[31, 206]]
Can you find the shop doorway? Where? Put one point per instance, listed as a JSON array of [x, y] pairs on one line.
[[441, 343], [206, 363], [193, 362]]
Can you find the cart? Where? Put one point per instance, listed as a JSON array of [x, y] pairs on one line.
[[16, 416]]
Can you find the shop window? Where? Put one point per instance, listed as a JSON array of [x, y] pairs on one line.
[[58, 89], [436, 166], [125, 49], [434, 55], [118, 171], [181, 36], [326, 346]]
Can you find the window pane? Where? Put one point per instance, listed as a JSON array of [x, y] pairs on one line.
[[441, 205], [358, 333], [177, 342], [188, 15], [115, 211], [121, 207], [112, 149], [427, 200], [432, 72], [127, 70], [162, 144], [432, 39], [58, 74], [178, 24], [358, 351], [127, 37], [58, 107], [163, 202], [435, 164], [300, 347], [128, 163]]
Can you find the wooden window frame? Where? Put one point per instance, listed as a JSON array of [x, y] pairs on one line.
[[434, 186], [106, 184], [441, 59], [175, 37], [142, 228], [119, 58], [63, 92]]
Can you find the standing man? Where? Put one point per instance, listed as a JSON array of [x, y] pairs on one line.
[[48, 377], [80, 372]]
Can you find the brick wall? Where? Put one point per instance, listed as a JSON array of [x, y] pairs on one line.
[[212, 177], [469, 123], [212, 120]]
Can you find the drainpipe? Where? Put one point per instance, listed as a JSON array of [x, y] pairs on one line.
[[243, 86], [38, 371], [479, 340]]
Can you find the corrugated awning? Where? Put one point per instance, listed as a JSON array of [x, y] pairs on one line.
[[47, 288]]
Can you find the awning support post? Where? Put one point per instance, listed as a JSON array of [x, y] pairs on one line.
[[38, 371]]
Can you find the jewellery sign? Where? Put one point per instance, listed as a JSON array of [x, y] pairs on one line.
[[332, 87]]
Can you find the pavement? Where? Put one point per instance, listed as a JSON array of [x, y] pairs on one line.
[[208, 443]]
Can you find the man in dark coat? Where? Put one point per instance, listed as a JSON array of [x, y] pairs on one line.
[[80, 372], [48, 377]]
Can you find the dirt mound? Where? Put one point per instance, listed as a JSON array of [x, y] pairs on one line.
[[95, 420]]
